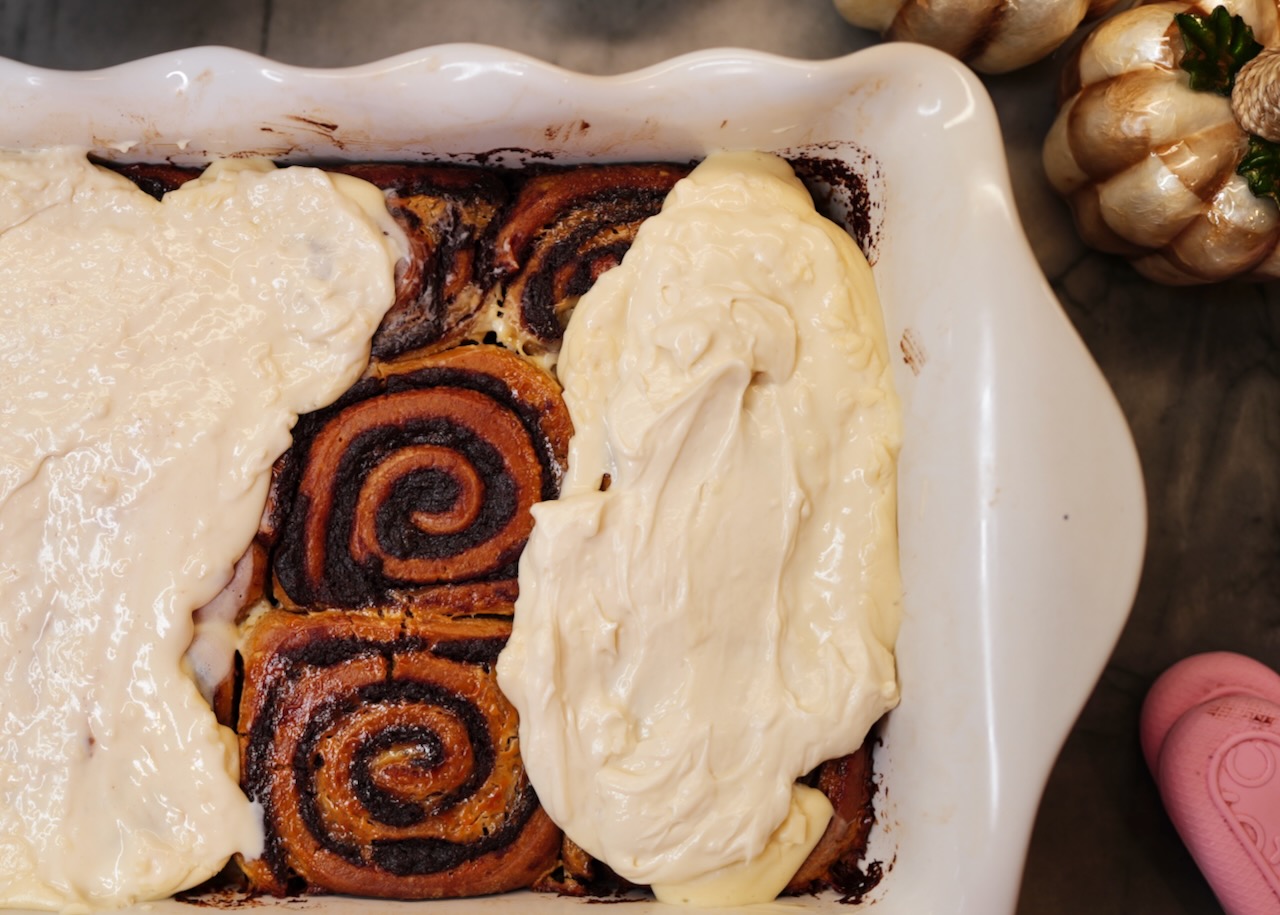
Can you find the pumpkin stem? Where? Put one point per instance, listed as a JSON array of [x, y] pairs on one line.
[[1255, 100], [1214, 48], [1260, 168]]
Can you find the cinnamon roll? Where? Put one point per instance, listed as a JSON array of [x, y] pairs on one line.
[[211, 656], [834, 861], [563, 230], [578, 874], [384, 756], [423, 474], [371, 726], [445, 212], [157, 179]]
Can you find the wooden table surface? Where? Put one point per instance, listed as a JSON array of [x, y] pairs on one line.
[[1197, 371]]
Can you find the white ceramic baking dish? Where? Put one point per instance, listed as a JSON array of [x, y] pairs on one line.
[[1021, 503]]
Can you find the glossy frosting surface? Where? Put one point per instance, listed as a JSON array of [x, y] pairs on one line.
[[153, 358], [720, 618]]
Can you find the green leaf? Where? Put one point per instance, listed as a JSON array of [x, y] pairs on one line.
[[1215, 46], [1260, 167]]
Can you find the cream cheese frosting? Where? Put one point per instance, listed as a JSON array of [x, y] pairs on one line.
[[153, 358], [709, 609]]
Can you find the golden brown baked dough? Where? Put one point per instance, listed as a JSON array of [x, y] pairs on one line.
[[833, 863], [375, 736], [384, 755], [371, 727], [422, 474], [564, 229], [445, 212]]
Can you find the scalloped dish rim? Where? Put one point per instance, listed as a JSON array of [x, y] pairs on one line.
[[1022, 512]]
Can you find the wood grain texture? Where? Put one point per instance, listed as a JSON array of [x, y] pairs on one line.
[[1196, 372], [84, 35]]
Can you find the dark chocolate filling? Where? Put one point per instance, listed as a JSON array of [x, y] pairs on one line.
[[495, 389], [424, 491], [382, 806], [408, 857], [348, 582], [401, 857], [352, 584], [619, 210]]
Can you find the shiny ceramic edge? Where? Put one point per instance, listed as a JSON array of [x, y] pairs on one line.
[[1022, 514]]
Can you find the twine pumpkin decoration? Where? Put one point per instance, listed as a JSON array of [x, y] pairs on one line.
[[992, 36], [1165, 145]]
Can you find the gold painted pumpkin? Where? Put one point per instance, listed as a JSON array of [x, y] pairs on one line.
[[1159, 171], [993, 36]]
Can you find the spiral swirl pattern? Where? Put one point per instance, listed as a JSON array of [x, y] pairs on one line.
[[422, 475], [564, 229], [384, 755], [444, 212], [372, 730]]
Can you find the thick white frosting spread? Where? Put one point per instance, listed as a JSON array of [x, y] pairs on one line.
[[720, 618], [153, 358]]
